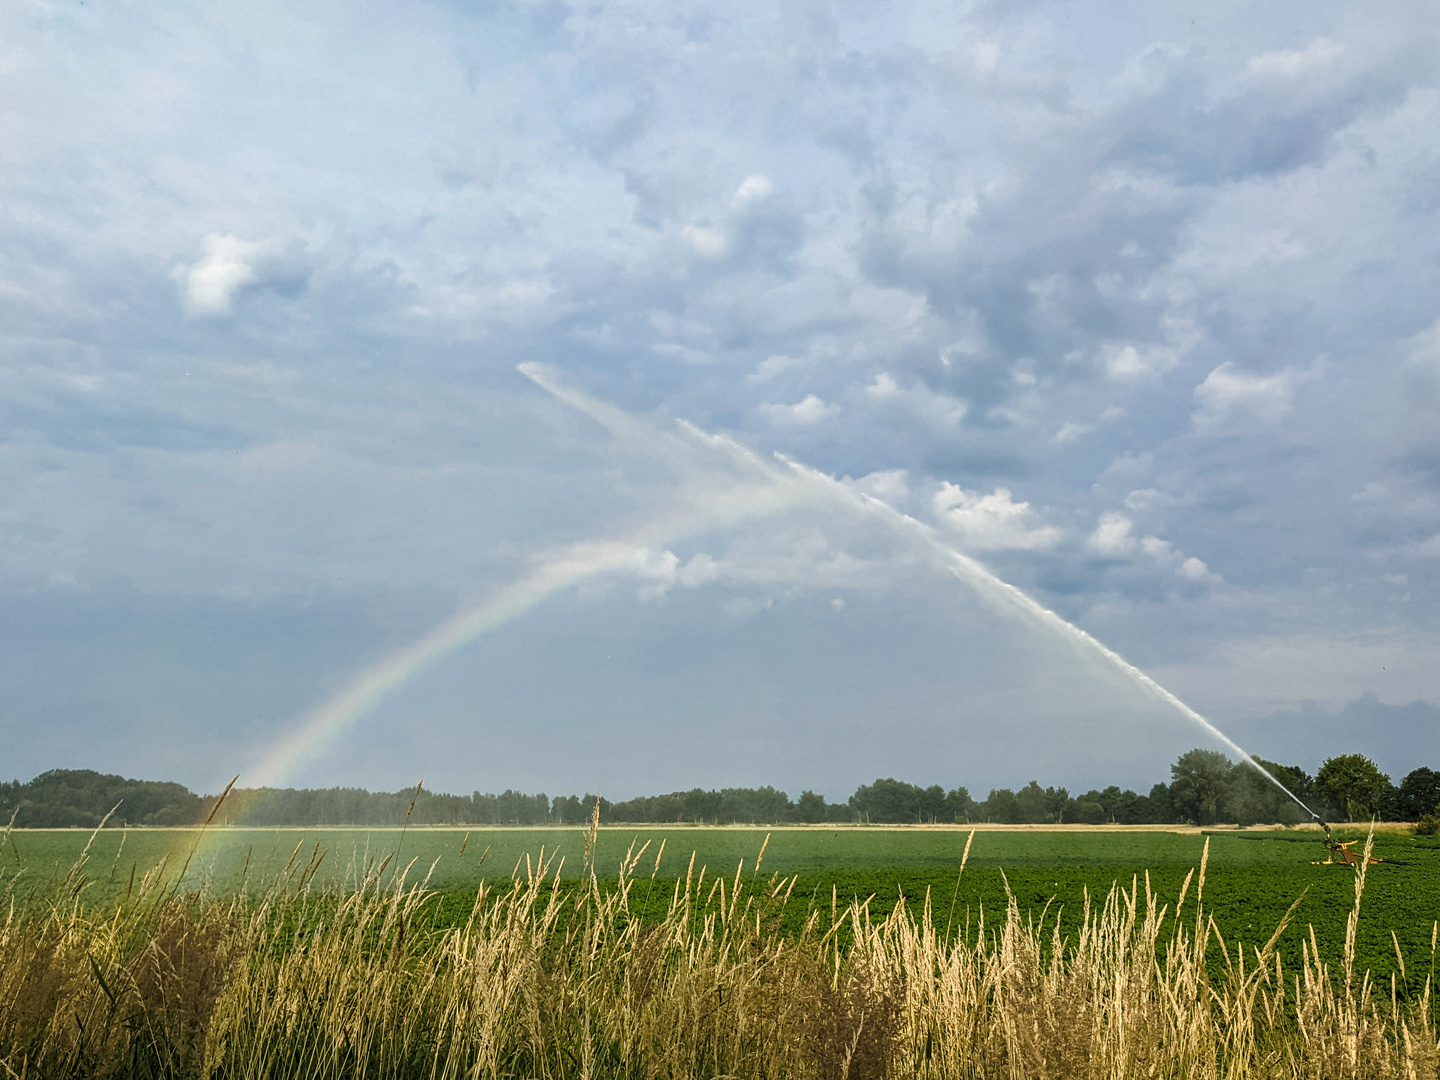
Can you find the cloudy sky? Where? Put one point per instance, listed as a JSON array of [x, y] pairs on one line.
[[1137, 305]]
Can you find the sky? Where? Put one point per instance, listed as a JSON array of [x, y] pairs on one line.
[[611, 397]]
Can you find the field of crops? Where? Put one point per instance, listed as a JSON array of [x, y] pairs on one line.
[[808, 966], [1253, 876], [843, 941]]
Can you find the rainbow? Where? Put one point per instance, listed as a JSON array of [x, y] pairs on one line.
[[322, 727]]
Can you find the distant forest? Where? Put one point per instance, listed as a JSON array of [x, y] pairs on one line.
[[1205, 788]]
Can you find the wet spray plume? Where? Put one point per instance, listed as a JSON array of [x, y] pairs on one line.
[[965, 568], [780, 487], [977, 576]]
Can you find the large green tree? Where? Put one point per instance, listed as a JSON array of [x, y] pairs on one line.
[[1001, 806], [1199, 784], [1111, 805], [1042, 806], [894, 801], [811, 807], [1419, 794], [82, 797], [1353, 785], [1253, 799]]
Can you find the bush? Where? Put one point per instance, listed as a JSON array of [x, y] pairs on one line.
[[1429, 824]]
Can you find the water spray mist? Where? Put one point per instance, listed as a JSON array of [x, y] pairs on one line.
[[965, 568], [781, 487], [980, 578]]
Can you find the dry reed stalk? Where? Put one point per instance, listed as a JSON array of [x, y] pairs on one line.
[[555, 980]]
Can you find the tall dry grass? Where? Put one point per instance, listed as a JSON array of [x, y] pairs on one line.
[[550, 980]]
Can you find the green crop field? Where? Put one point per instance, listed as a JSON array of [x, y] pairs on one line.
[[1252, 878], [285, 952]]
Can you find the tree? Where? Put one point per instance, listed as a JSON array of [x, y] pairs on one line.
[[1253, 799], [1041, 806], [1292, 776], [1126, 807], [1200, 779], [762, 805], [896, 802], [567, 810], [70, 797], [810, 807], [1162, 805], [959, 806], [1353, 785], [1088, 809], [702, 805], [1002, 806], [1419, 794]]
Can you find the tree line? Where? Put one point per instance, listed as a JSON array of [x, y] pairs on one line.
[[1205, 788]]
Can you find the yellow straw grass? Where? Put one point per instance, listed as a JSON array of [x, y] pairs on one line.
[[552, 979]]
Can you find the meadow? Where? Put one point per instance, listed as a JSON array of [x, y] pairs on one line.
[[854, 952]]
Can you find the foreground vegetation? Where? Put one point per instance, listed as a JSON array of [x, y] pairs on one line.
[[1254, 875], [552, 977]]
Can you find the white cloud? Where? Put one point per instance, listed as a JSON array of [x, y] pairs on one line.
[[1426, 351], [226, 265], [937, 408], [772, 367], [700, 570], [1113, 538], [883, 387], [684, 353], [1075, 430], [1192, 569], [1373, 492], [705, 240], [1290, 63], [787, 561], [1266, 397], [1142, 499], [716, 241], [1071, 431], [525, 293], [1125, 362], [743, 607], [1157, 549], [890, 486], [754, 189], [1167, 557], [986, 56], [993, 522], [663, 570], [811, 410], [1429, 549]]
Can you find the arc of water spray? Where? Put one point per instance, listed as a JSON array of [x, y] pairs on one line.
[[582, 561], [968, 570], [979, 577]]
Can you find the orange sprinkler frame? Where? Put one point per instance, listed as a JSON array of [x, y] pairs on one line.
[[1338, 854]]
